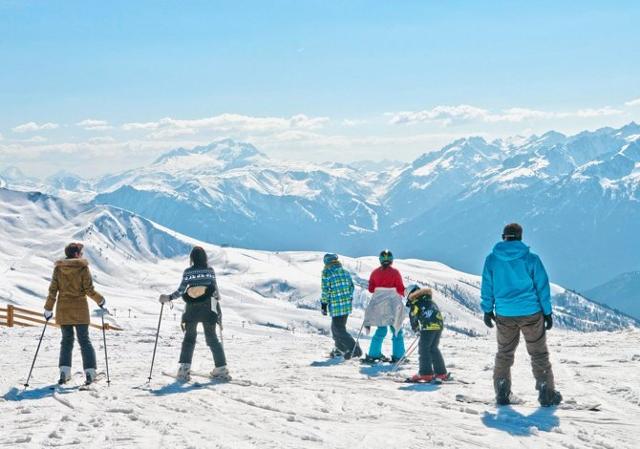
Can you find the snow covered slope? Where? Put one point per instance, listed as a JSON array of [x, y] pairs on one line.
[[135, 258], [276, 340], [621, 292], [297, 399], [230, 193], [577, 197]]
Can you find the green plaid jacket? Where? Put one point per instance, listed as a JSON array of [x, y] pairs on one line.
[[337, 290]]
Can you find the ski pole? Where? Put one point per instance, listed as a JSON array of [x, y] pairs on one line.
[[412, 347], [353, 351], [26, 385], [104, 342], [156, 344]]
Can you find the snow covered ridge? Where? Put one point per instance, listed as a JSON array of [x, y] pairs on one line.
[[577, 196], [133, 260]]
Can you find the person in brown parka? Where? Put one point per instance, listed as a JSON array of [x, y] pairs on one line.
[[71, 283]]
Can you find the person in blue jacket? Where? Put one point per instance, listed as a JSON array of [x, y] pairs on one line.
[[516, 295]]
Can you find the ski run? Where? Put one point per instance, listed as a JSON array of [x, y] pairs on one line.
[[286, 394]]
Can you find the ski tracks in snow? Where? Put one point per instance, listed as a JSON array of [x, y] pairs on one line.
[[290, 403]]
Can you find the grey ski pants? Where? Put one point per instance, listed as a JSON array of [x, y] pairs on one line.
[[535, 337]]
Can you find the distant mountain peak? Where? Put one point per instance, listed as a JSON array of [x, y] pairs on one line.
[[228, 151], [12, 173]]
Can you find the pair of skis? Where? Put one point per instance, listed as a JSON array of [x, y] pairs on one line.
[[208, 380], [76, 385]]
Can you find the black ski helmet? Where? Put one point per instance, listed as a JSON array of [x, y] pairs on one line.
[[386, 258]]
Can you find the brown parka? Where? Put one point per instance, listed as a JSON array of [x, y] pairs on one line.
[[71, 283]]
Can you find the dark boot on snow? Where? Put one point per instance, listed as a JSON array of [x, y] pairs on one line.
[[374, 360], [65, 375], [503, 392], [547, 396], [356, 354], [90, 376]]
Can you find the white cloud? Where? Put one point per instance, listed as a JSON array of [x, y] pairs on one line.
[[635, 102], [33, 126], [34, 139], [444, 114], [101, 139], [350, 123], [447, 115], [168, 133], [228, 122], [94, 125]]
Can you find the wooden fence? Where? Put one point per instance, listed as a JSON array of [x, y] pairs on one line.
[[11, 316]]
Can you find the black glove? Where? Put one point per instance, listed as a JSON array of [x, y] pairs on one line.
[[324, 308], [488, 318], [548, 322]]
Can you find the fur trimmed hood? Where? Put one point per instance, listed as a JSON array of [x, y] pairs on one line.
[[419, 293], [72, 263]]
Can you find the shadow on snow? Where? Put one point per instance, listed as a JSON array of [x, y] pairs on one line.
[[515, 423], [17, 394]]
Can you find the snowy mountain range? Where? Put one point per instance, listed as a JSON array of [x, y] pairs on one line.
[[621, 292], [134, 259], [577, 197]]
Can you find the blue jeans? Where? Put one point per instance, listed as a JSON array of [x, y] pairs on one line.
[[86, 349], [397, 340]]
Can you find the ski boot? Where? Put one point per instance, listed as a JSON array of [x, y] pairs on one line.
[[184, 372], [65, 375], [335, 352], [220, 373], [375, 360], [443, 377], [548, 397], [89, 375], [395, 360], [356, 354], [503, 392], [421, 379]]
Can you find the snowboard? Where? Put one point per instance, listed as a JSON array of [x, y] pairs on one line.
[[567, 405]]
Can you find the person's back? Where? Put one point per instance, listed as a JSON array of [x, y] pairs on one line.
[[199, 290], [425, 317], [337, 289], [515, 285], [515, 281], [336, 297], [386, 276], [70, 285]]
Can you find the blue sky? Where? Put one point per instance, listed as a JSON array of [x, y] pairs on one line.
[[102, 86]]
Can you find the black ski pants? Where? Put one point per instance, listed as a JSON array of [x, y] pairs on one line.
[[431, 360], [343, 340], [189, 342]]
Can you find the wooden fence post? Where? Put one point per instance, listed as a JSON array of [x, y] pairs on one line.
[[10, 315]]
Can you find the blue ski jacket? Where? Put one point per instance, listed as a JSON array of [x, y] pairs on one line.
[[514, 281]]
